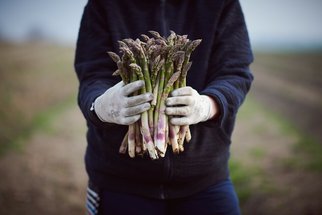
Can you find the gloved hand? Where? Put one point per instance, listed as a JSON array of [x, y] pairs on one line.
[[187, 106], [115, 105]]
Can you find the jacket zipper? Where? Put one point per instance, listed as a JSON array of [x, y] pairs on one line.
[[163, 18]]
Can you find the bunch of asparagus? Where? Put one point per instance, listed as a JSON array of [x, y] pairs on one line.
[[162, 63]]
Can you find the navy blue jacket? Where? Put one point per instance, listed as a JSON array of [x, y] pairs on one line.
[[220, 69]]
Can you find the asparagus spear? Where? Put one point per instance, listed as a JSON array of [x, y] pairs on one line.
[[124, 144], [184, 130], [132, 132], [138, 140], [161, 139], [157, 111], [144, 117], [179, 58]]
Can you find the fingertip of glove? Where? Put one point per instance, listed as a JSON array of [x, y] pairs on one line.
[[174, 93], [141, 83], [148, 105], [150, 96]]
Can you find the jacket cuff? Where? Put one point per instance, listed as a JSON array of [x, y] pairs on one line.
[[89, 111], [222, 105]]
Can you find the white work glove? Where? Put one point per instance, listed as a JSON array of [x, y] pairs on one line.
[[187, 106], [115, 105]]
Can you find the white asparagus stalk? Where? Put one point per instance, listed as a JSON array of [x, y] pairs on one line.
[[124, 144]]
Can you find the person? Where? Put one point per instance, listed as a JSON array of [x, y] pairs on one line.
[[197, 180]]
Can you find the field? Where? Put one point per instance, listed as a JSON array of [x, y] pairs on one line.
[[276, 161]]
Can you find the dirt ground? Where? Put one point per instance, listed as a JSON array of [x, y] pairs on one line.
[[47, 176], [276, 187], [291, 85]]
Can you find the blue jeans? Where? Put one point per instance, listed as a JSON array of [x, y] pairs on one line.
[[218, 199]]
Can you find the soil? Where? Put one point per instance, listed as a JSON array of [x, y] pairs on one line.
[[276, 186], [291, 85], [47, 176]]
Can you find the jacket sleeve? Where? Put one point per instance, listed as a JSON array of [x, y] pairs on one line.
[[93, 66], [229, 77]]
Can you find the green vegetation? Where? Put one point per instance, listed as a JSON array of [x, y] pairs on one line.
[[40, 122], [310, 152], [249, 170], [257, 153], [307, 151], [37, 81], [241, 177]]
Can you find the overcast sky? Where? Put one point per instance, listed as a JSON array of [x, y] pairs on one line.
[[270, 22], [289, 22]]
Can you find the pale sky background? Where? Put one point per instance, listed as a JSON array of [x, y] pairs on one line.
[[290, 24]]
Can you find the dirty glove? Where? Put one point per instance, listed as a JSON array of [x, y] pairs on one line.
[[115, 105], [187, 106]]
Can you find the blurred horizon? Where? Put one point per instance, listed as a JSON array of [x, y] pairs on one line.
[[273, 25]]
